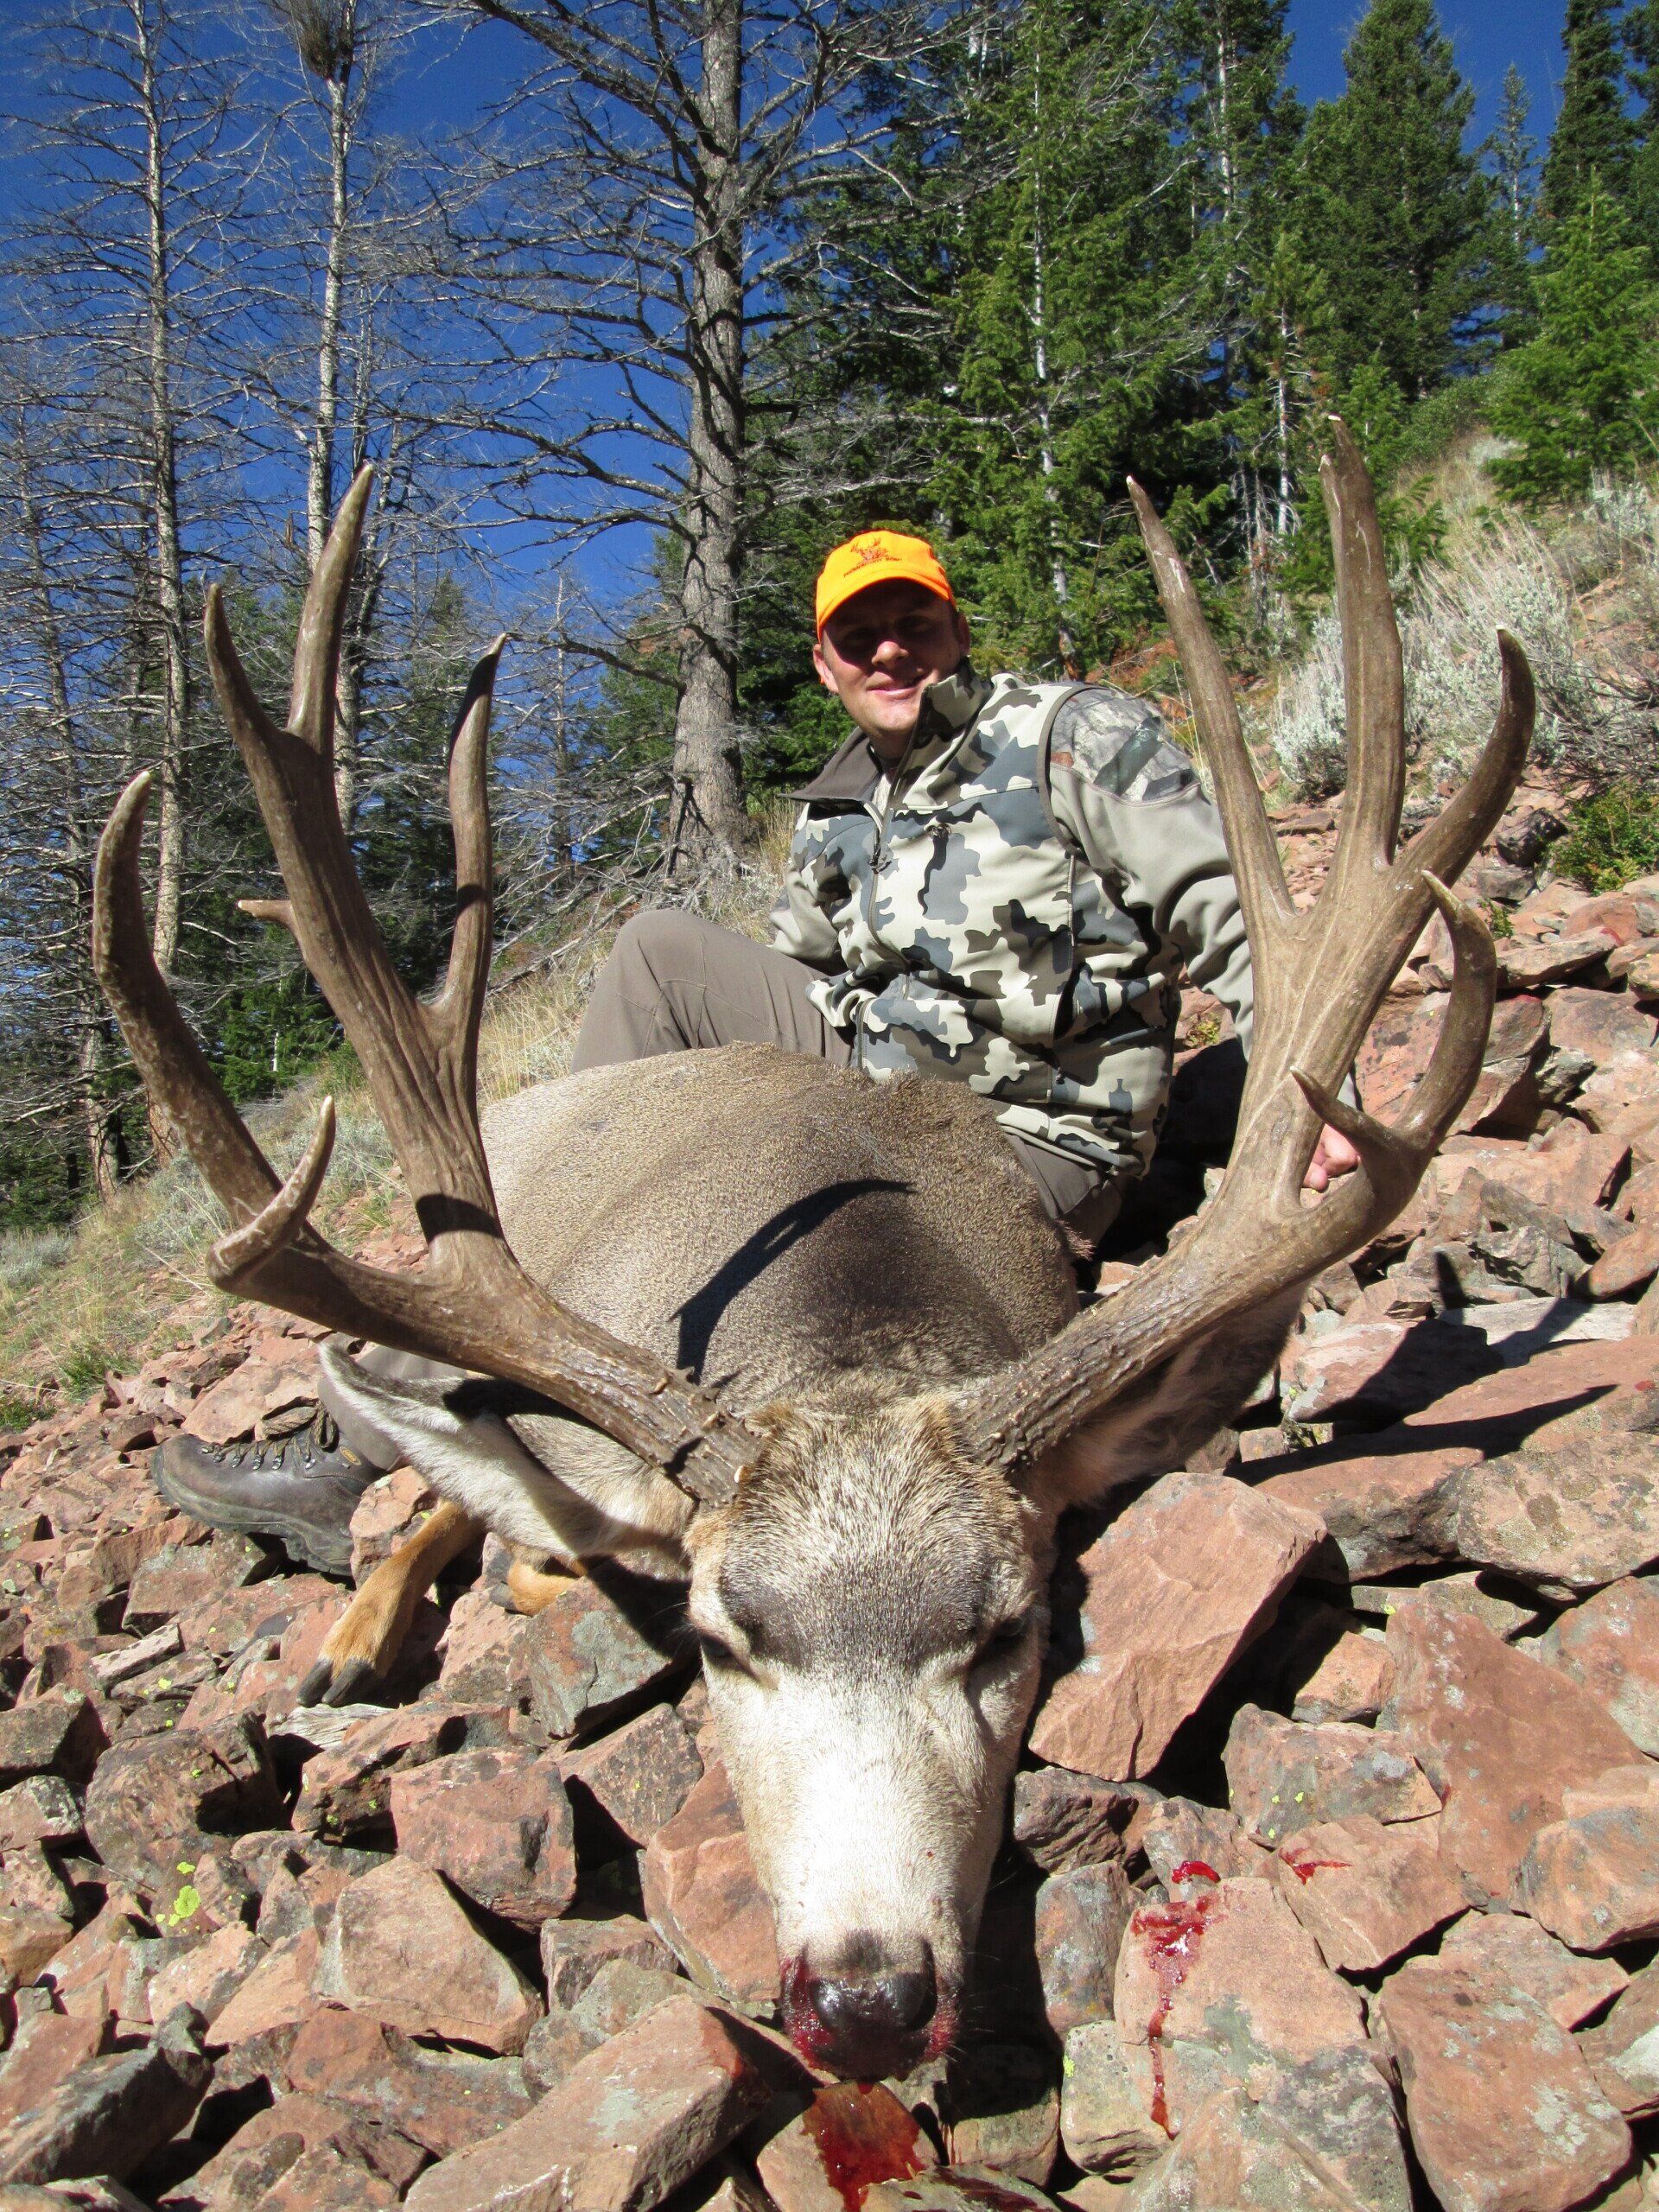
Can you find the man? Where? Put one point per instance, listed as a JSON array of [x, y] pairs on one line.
[[992, 883]]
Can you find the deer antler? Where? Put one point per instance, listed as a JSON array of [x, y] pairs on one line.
[[473, 1305], [1320, 976]]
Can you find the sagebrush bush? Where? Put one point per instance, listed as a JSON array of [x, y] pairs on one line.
[[1611, 839]]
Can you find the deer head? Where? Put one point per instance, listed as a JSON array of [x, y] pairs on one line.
[[871, 1702]]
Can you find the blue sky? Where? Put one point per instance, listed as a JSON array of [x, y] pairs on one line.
[[1485, 39]]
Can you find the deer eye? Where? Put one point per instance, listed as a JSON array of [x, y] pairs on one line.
[[1006, 1637], [716, 1652]]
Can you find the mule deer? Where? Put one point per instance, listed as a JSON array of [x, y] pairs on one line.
[[808, 1341]]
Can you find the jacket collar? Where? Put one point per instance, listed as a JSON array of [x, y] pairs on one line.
[[950, 707]]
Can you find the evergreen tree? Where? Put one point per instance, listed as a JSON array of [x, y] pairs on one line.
[[1511, 155], [1393, 209], [1593, 133], [1642, 42], [1242, 126], [1585, 394]]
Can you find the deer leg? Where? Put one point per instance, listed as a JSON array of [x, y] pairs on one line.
[[368, 1635], [531, 1588]]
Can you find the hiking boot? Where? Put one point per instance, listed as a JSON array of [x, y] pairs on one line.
[[301, 1488]]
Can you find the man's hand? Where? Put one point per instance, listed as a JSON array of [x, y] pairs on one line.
[[1332, 1156]]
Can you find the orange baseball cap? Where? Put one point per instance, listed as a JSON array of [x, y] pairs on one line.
[[878, 556]]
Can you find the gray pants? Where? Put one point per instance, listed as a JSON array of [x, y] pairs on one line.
[[676, 983]]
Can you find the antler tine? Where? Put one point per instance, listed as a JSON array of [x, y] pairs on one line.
[[1373, 666], [1263, 893], [460, 1006], [174, 1068], [1320, 976], [474, 1305], [322, 623]]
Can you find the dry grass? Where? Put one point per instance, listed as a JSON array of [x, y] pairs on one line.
[[127, 1284]]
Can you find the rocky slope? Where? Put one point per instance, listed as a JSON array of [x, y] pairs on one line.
[[1334, 1872]]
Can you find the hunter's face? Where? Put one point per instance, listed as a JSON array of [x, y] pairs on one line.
[[880, 652]]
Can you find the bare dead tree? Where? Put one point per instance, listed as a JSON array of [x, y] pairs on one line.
[[652, 181]]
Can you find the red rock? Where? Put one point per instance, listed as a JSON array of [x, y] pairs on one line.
[[445, 2101], [1351, 1681], [347, 1791], [627, 2126], [108, 2114], [1643, 977], [182, 1575], [390, 1927], [1575, 1507], [1592, 1877], [49, 2047], [1386, 1506], [642, 1773], [1285, 1774], [847, 2129], [1528, 967], [585, 1662], [58, 1732], [1500, 1736], [1599, 1024], [1504, 2115], [1182, 1580], [1062, 1820], [497, 1823], [1622, 2050], [276, 1994], [574, 1951], [1001, 2109], [484, 1661], [1627, 1265], [1568, 1170], [207, 1977], [1376, 1370], [1104, 2122], [1323, 2139], [1365, 1892], [704, 1900], [225, 1625], [326, 2180], [1224, 1987], [274, 2142], [153, 1802], [1626, 915], [1610, 1646], [41, 1809], [237, 1407], [387, 1515], [1179, 1834], [1505, 1951], [1621, 1101], [1081, 1917], [956, 2188]]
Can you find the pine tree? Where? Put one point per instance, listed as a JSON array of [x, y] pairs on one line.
[[1394, 210], [1585, 394], [1593, 132], [1642, 42], [1511, 155], [1241, 125]]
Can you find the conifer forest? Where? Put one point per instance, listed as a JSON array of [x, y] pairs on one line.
[[692, 289]]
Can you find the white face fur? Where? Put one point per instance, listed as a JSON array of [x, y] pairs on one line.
[[872, 1625]]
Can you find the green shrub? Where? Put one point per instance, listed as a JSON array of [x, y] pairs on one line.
[[1611, 839], [18, 1410], [83, 1370]]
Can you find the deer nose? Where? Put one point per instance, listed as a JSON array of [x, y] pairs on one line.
[[872, 2017]]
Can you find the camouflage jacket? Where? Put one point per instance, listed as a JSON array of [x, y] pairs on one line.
[[1011, 907]]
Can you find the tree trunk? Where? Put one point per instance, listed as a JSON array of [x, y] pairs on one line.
[[164, 515], [707, 769], [321, 474]]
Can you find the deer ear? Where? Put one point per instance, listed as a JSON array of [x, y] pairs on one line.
[[1153, 1429], [454, 1429]]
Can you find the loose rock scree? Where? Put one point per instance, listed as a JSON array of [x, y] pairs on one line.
[[733, 1321]]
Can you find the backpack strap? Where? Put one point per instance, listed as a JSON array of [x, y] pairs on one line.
[[1045, 768]]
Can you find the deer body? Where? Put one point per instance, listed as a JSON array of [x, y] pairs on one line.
[[819, 1347]]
